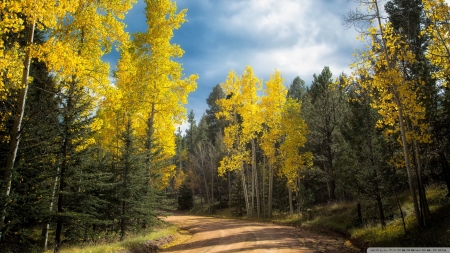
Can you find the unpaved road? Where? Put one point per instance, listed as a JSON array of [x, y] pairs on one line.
[[228, 235]]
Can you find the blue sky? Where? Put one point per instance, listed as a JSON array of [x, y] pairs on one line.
[[297, 37]]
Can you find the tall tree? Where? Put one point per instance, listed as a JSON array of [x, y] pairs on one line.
[[241, 111], [397, 96], [323, 112], [215, 125], [272, 104]]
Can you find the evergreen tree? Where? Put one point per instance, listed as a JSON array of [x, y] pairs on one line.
[[324, 111], [215, 125]]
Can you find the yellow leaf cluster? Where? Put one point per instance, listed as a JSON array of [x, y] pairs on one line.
[[294, 131], [382, 72], [438, 12], [150, 89], [241, 108]]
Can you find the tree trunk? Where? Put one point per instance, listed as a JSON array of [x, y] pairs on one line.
[[412, 187], [297, 193], [400, 208], [360, 219], [269, 210], [425, 211], [244, 186], [46, 227], [263, 197], [255, 179], [380, 209], [207, 192], [258, 209], [212, 189], [15, 131], [291, 206], [253, 175], [229, 188]]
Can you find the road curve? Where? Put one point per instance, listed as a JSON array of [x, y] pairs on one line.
[[228, 235]]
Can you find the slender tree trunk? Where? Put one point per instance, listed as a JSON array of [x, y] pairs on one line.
[[253, 179], [412, 187], [360, 219], [229, 188], [258, 209], [380, 209], [270, 191], [400, 208], [15, 131], [207, 192], [263, 202], [244, 186], [46, 227], [422, 193], [291, 207], [212, 188], [297, 193]]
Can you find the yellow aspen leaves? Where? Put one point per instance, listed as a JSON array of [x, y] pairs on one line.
[[273, 103], [438, 12], [389, 86], [294, 131], [150, 89]]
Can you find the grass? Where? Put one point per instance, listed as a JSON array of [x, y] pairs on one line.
[[437, 234], [127, 244], [340, 218]]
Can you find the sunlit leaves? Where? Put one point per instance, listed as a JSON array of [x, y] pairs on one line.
[[438, 12], [150, 90], [383, 72]]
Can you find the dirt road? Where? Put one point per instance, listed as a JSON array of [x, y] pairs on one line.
[[227, 235]]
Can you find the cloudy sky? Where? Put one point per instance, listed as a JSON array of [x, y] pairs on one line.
[[297, 37]]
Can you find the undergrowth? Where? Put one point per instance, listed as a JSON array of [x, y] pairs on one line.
[[131, 242]]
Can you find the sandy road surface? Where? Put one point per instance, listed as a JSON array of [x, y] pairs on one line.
[[227, 235]]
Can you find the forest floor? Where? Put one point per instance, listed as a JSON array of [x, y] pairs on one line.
[[210, 234]]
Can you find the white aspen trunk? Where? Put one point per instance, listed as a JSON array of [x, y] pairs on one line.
[[15, 131], [263, 202], [258, 209], [412, 187], [244, 186], [46, 227], [270, 191], [253, 175], [291, 207]]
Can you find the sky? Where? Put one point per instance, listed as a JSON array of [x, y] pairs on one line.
[[297, 37]]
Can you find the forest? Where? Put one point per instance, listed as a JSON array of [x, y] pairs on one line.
[[87, 155]]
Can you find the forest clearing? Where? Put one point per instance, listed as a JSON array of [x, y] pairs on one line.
[[94, 154]]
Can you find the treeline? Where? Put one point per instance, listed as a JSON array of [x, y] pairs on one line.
[[96, 153], [365, 137]]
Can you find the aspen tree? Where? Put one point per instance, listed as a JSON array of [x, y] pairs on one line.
[[241, 110], [438, 12], [272, 105], [294, 130], [396, 98]]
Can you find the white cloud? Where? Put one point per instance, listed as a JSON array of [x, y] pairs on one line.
[[297, 37]]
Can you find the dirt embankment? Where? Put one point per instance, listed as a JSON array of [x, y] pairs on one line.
[[227, 235]]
